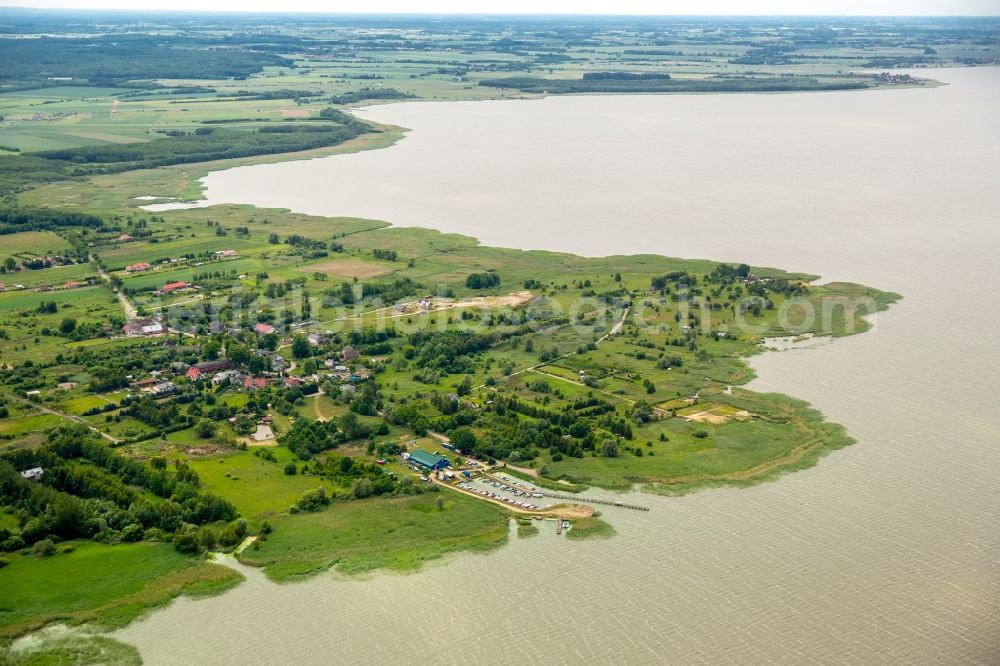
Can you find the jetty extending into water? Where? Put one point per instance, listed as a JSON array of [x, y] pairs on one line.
[[591, 500]]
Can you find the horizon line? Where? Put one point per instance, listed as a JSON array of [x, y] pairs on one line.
[[302, 12]]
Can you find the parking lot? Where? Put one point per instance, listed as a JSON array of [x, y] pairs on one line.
[[521, 497]]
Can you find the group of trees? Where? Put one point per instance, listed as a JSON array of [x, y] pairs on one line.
[[482, 280], [115, 59], [627, 83], [307, 437], [88, 490], [208, 144]]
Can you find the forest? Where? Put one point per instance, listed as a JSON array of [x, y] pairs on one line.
[[119, 59], [204, 144]]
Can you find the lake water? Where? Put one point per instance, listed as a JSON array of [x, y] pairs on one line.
[[886, 552]]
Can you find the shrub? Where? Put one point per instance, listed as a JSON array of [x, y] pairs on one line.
[[132, 532], [313, 500], [44, 548]]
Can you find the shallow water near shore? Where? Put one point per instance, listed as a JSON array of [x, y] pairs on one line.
[[887, 551]]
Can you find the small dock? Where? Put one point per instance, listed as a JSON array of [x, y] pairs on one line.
[[559, 523], [591, 500]]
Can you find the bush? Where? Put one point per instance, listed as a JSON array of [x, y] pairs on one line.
[[233, 533], [313, 500], [186, 542], [291, 468], [44, 548], [362, 488], [3, 562], [132, 532], [700, 434]]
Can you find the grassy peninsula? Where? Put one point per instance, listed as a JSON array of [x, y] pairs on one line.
[[257, 382]]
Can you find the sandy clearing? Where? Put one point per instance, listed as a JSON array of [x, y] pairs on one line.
[[347, 268]]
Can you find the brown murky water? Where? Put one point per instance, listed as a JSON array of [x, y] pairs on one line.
[[886, 552]]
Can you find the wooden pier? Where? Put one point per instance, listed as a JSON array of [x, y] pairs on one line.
[[591, 500]]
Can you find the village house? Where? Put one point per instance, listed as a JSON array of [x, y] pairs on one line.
[[198, 370], [263, 329], [138, 327], [314, 339], [278, 363], [225, 254], [139, 267], [218, 365], [232, 376], [254, 383], [33, 474], [171, 287], [161, 389], [143, 383], [349, 353], [124, 238]]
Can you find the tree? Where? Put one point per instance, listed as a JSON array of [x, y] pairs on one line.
[[313, 500], [464, 440], [9, 264], [300, 346], [67, 326], [210, 350], [206, 538], [291, 468], [186, 542], [204, 429], [362, 488], [465, 386], [44, 548], [244, 424], [609, 448]]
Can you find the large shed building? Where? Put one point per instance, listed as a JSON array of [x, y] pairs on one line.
[[429, 460]]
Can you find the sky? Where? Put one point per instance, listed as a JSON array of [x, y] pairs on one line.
[[695, 7]]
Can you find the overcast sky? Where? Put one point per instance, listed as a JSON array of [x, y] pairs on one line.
[[698, 7]]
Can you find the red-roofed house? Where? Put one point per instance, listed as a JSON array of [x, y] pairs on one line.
[[263, 328], [254, 383], [138, 268], [173, 286], [350, 353], [193, 373]]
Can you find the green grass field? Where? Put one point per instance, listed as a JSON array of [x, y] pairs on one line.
[[108, 585], [398, 534], [258, 488]]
